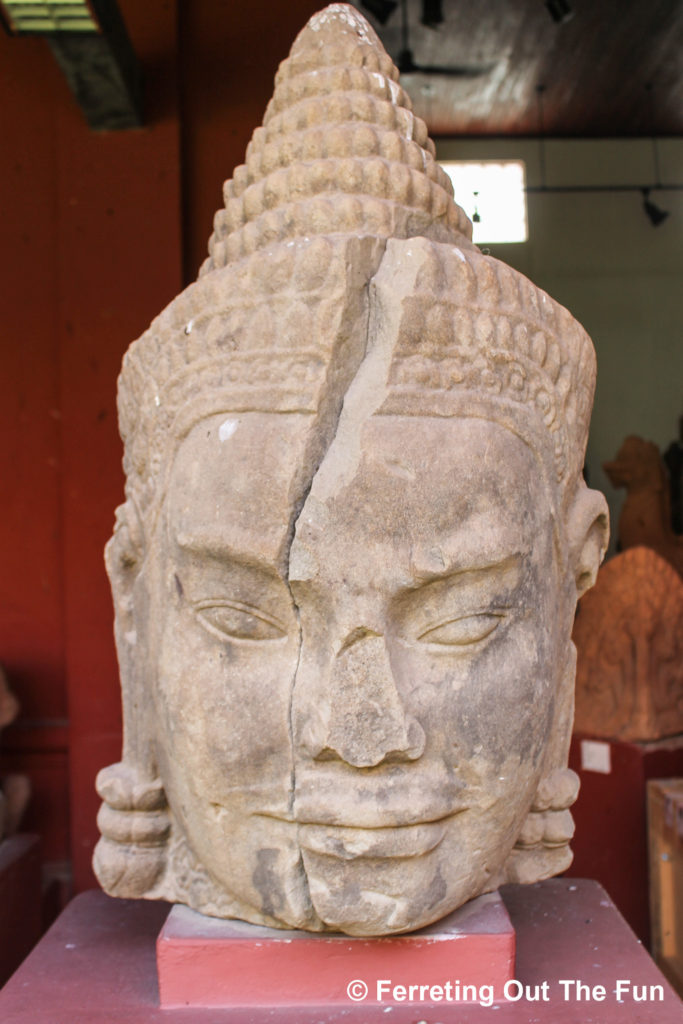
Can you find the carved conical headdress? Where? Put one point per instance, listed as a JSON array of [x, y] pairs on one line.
[[339, 151], [339, 166], [340, 172]]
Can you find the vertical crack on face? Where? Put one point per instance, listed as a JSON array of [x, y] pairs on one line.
[[323, 438], [339, 457], [300, 869]]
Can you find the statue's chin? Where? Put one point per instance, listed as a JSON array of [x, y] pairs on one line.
[[380, 897]]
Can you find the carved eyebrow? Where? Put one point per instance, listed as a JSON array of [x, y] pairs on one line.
[[217, 547], [452, 567]]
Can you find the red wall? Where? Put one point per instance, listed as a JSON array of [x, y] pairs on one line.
[[90, 252], [32, 647], [229, 56], [94, 232]]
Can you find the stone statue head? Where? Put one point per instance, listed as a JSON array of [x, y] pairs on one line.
[[354, 534]]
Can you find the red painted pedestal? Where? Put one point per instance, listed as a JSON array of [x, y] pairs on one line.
[[610, 843], [206, 962], [20, 900], [574, 953]]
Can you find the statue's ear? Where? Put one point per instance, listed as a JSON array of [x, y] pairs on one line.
[[123, 558], [588, 535]]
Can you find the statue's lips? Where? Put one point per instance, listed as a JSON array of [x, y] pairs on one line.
[[393, 798], [386, 841]]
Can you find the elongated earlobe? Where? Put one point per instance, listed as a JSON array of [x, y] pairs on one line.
[[588, 535], [134, 821], [130, 858], [542, 848]]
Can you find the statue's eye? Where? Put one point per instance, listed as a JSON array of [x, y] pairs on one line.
[[459, 632], [238, 621]]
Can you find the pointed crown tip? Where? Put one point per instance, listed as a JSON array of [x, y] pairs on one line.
[[339, 151], [338, 20]]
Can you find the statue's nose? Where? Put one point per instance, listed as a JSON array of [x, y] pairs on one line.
[[362, 720]]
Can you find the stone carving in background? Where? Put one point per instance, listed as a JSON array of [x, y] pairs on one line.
[[673, 460], [629, 637], [355, 530], [646, 514], [15, 788]]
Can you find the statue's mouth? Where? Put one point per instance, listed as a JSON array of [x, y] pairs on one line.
[[378, 836], [400, 797], [402, 813], [382, 841]]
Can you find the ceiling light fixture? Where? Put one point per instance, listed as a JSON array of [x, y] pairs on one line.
[[560, 11], [381, 10], [432, 13], [654, 212]]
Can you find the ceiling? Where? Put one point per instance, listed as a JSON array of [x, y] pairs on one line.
[[615, 68]]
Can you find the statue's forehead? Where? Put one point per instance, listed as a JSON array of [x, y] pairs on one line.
[[454, 492], [435, 443], [423, 480], [411, 457], [232, 483]]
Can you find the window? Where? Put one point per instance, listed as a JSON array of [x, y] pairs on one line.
[[492, 194]]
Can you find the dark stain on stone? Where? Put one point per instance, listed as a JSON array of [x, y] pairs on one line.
[[178, 584], [437, 889], [267, 882]]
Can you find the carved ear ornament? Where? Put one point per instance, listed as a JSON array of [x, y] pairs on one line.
[[542, 847], [130, 858]]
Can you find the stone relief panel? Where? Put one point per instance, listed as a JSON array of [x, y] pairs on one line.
[[629, 636]]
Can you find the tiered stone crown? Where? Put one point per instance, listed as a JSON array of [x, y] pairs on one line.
[[339, 151], [476, 331], [278, 319]]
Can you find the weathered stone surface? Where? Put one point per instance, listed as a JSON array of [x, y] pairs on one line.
[[354, 534], [629, 637]]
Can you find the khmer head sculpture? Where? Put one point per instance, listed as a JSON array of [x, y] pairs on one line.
[[354, 534]]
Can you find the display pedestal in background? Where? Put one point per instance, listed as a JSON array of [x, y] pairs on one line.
[[610, 843], [20, 900], [665, 831], [574, 952]]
